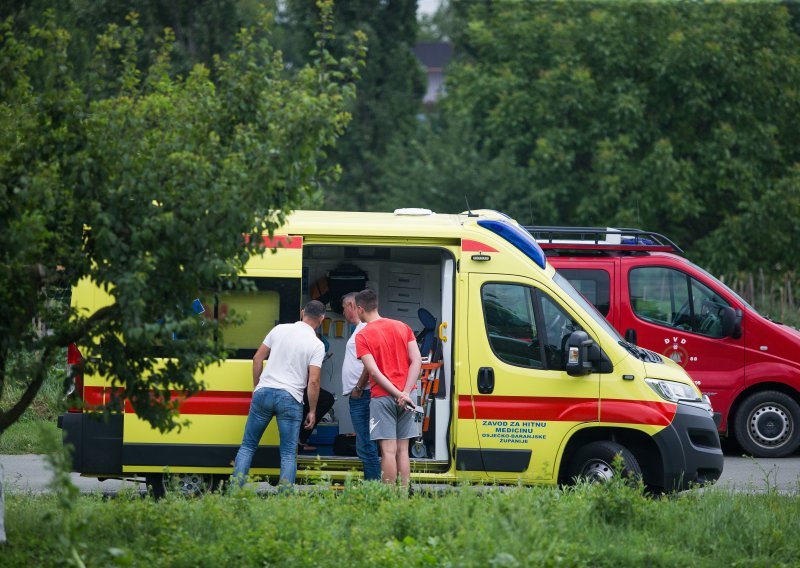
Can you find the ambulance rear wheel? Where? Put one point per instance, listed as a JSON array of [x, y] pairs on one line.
[[187, 484], [767, 425], [594, 462]]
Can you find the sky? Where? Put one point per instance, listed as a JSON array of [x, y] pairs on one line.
[[427, 6]]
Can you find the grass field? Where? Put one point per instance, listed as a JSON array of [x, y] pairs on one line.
[[370, 525], [25, 437]]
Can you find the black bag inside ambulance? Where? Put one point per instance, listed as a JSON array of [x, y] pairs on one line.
[[345, 445], [342, 280]]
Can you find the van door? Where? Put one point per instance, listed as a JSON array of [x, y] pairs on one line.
[[523, 402], [268, 293], [678, 316]]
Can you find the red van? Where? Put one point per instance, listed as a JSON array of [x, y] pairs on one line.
[[748, 364]]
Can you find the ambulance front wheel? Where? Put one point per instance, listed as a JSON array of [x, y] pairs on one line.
[[188, 484], [595, 462]]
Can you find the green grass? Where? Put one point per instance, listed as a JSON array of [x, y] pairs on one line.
[[373, 526], [26, 437]]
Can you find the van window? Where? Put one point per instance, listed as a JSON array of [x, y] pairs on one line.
[[526, 327], [510, 324], [674, 299], [594, 284], [249, 309], [558, 325]]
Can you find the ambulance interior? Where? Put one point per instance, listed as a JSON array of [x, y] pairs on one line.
[[407, 281]]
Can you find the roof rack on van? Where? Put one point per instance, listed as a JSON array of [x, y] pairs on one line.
[[601, 238]]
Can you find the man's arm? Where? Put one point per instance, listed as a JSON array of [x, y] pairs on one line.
[[313, 395], [258, 362], [360, 384], [415, 362], [372, 368]]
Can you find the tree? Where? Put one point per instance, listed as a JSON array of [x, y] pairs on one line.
[[153, 191], [442, 167], [202, 28], [389, 93], [677, 117]]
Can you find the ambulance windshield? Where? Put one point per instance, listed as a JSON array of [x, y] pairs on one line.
[[586, 305]]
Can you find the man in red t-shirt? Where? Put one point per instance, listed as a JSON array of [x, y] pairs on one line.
[[391, 356]]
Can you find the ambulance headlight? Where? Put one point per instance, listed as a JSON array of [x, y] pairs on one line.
[[674, 391]]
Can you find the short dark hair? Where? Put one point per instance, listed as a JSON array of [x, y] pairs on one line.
[[367, 299], [314, 309]]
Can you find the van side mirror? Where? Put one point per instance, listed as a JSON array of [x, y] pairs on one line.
[[731, 322], [578, 358], [599, 360]]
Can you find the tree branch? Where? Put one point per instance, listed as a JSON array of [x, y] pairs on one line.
[[64, 339], [47, 345], [8, 418]]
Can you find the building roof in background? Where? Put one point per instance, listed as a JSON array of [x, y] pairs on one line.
[[434, 55]]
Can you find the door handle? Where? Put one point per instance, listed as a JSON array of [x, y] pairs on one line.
[[630, 335], [485, 380]]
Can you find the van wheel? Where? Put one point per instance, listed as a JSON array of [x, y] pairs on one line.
[[186, 484], [767, 424], [594, 462]]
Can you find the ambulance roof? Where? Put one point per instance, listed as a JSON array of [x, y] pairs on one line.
[[408, 223]]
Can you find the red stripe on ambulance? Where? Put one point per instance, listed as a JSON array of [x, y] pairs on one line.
[[468, 245], [564, 409]]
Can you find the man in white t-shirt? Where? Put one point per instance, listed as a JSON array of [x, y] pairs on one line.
[[355, 382], [295, 356]]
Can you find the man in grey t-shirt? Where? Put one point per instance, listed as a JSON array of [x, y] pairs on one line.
[[295, 356], [355, 382]]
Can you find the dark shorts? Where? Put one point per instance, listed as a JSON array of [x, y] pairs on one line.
[[387, 421]]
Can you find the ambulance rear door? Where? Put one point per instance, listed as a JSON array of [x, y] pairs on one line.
[[268, 293]]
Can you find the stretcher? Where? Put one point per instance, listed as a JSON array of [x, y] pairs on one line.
[[427, 387]]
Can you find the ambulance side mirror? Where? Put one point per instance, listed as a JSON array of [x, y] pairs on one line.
[[578, 354], [731, 322]]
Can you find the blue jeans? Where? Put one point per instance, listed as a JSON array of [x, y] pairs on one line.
[[267, 403], [366, 449]]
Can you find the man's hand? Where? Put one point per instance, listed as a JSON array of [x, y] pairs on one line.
[[311, 419], [356, 392], [404, 400]]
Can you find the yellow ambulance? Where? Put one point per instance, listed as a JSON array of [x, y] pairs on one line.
[[532, 384]]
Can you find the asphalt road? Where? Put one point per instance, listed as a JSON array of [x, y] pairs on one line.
[[30, 473]]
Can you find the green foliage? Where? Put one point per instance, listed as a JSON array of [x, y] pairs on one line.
[[201, 28], [369, 525], [148, 184], [676, 117], [442, 167], [389, 92]]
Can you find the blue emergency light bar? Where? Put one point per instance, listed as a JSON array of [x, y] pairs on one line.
[[518, 237]]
